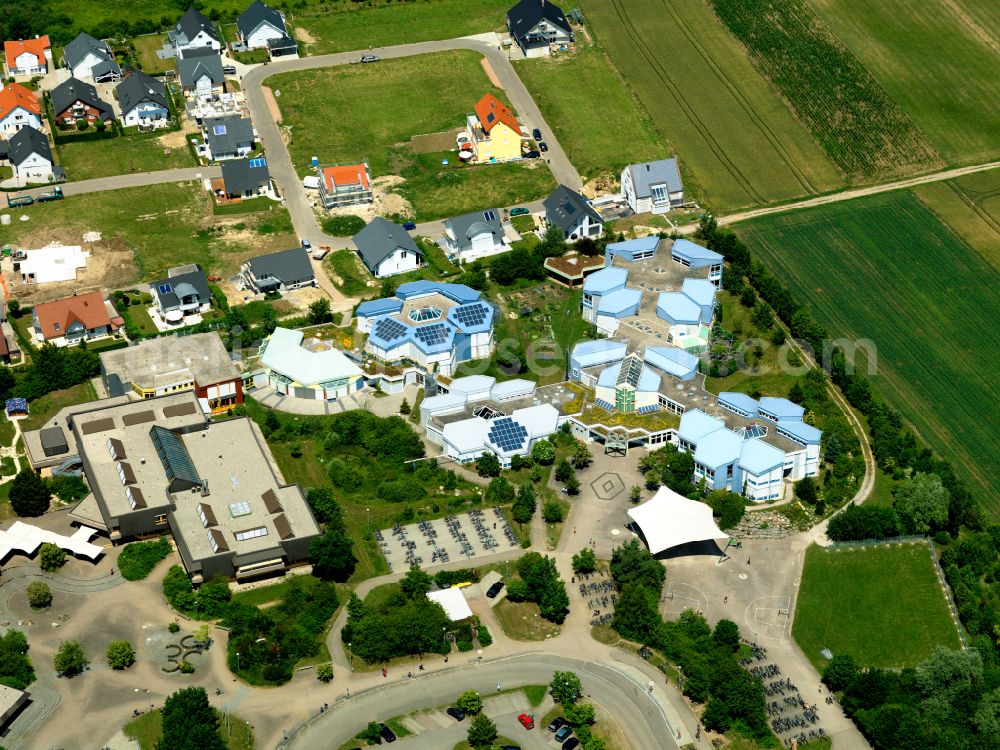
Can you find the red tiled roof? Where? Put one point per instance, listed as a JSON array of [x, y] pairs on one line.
[[15, 95], [351, 174], [89, 309], [490, 105], [13, 50]]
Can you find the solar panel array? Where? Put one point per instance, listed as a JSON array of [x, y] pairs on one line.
[[388, 329], [470, 315], [507, 434], [259, 162], [164, 288], [490, 215], [648, 409], [432, 335]]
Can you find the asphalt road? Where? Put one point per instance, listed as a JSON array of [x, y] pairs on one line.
[[637, 714], [136, 179]]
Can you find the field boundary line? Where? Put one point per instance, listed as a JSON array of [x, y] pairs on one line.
[[952, 609]]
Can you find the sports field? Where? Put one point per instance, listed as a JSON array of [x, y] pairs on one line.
[[587, 104], [970, 205], [940, 60], [887, 269], [739, 143], [372, 111], [883, 605]]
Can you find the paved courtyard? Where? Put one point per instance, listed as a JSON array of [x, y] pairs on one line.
[[449, 539]]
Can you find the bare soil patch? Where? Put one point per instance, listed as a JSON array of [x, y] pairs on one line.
[[173, 139], [490, 73], [272, 104], [431, 142]]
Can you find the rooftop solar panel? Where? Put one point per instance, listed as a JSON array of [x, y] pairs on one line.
[[490, 215], [507, 434], [388, 329], [471, 315], [219, 129], [432, 335], [258, 162], [164, 288]]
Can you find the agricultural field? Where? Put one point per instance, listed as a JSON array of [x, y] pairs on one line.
[[970, 205], [887, 270], [155, 228], [441, 88], [598, 139], [858, 124], [940, 60], [739, 145], [86, 160], [883, 605]]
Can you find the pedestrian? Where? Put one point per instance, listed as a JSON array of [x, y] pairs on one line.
[[498, 687], [748, 561], [725, 600], [446, 660], [421, 667], [384, 673], [494, 526], [573, 579], [574, 529]]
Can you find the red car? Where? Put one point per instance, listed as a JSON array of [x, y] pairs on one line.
[[528, 722]]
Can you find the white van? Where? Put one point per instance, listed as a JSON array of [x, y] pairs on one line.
[[310, 182]]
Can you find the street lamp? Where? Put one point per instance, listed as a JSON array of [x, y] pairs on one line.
[[369, 512], [237, 661], [352, 656]]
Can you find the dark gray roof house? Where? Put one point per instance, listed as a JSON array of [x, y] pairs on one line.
[[182, 291], [565, 207], [28, 141], [463, 231], [198, 64], [245, 178], [536, 24], [101, 64], [73, 90], [191, 24], [140, 87], [288, 269], [227, 136], [380, 240], [257, 15]]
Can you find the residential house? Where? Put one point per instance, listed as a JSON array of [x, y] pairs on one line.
[[535, 25], [475, 235], [200, 73], [245, 178], [573, 214], [194, 33], [71, 320], [278, 272], [184, 291], [387, 249], [31, 157], [74, 100], [493, 131], [345, 185], [143, 102], [261, 25], [9, 350], [27, 57], [19, 107], [87, 57], [653, 187], [159, 366], [227, 137]]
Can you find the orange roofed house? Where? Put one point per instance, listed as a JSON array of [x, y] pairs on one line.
[[19, 107], [345, 185], [27, 57], [493, 131], [71, 320]]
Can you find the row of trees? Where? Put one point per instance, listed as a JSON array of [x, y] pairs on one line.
[[920, 507], [52, 368]]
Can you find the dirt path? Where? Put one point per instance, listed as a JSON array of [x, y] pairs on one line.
[[490, 74], [272, 104]]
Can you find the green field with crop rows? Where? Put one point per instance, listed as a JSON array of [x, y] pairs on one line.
[[970, 205], [886, 268], [739, 145]]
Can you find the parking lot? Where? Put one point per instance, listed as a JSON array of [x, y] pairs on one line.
[[461, 537]]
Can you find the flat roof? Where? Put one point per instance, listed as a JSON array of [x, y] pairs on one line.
[[162, 361], [306, 361]]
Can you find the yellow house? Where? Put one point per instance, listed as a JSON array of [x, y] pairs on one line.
[[494, 131]]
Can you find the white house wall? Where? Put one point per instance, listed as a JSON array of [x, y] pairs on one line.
[[259, 36], [137, 116], [34, 167], [18, 118], [400, 261]]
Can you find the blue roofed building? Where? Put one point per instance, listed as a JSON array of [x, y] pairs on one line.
[[641, 248], [691, 255], [434, 325], [738, 403], [592, 354], [629, 386], [780, 409], [673, 361]]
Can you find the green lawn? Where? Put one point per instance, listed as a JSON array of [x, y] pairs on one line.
[[147, 730], [46, 406], [939, 60], [145, 51], [123, 155], [348, 26], [353, 275], [883, 605], [139, 317], [164, 226], [739, 145], [589, 107], [6, 431], [885, 269], [522, 621], [441, 88]]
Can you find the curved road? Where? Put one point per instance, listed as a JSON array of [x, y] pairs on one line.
[[630, 704]]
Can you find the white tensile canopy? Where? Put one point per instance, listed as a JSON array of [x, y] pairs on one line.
[[23, 538], [453, 603], [668, 520]]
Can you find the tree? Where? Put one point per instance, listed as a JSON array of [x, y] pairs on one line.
[[202, 635], [921, 504], [840, 671], [325, 507], [388, 287], [552, 512], [637, 614], [543, 452], [564, 470], [580, 714], [572, 485], [68, 487], [488, 465], [805, 490], [834, 448], [482, 731], [761, 316], [324, 672], [51, 557], [728, 507], [499, 491], [16, 669], [633, 563], [416, 583], [371, 733], [120, 655], [333, 555], [584, 561], [470, 701], [319, 312], [271, 423], [29, 495], [727, 635], [566, 688], [581, 456], [70, 659], [39, 595], [525, 504], [404, 408], [190, 722]]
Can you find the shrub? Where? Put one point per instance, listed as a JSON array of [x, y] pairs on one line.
[[120, 655], [39, 595], [470, 701], [484, 637], [858, 522], [552, 512], [173, 627], [70, 659], [464, 645], [16, 669], [187, 667], [51, 557], [324, 672], [584, 561], [138, 559], [342, 226]]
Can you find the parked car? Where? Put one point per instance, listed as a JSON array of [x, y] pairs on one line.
[[533, 154], [562, 735], [229, 70], [307, 244], [387, 734], [410, 226], [543, 146], [495, 589], [215, 278], [528, 722], [321, 252], [557, 723], [510, 747], [536, 134], [571, 744], [519, 211], [370, 58], [456, 713]]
